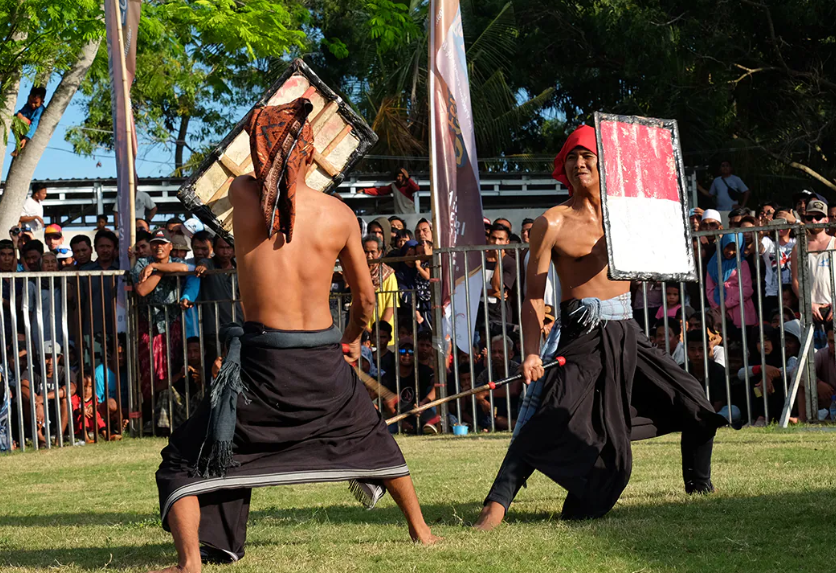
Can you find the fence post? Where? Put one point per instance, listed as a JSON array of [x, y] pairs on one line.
[[438, 335], [805, 306]]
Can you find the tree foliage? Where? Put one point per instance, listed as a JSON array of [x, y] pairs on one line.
[[752, 79], [197, 60]]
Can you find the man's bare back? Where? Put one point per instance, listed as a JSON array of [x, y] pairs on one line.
[[286, 285]]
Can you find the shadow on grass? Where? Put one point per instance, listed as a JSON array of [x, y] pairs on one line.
[[781, 531]]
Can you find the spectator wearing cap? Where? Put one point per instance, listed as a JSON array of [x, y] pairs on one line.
[[144, 208], [818, 261], [405, 386], [403, 191], [53, 236], [82, 250], [180, 246], [65, 257], [50, 310], [191, 226], [157, 288], [728, 190], [101, 222], [33, 208], [694, 218], [44, 389]]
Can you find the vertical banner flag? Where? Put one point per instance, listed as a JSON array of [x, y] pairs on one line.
[[456, 198], [122, 23]]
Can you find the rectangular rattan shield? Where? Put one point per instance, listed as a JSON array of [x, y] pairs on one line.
[[341, 138], [643, 199]]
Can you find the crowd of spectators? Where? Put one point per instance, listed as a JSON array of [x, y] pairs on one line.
[[60, 327], [185, 288]]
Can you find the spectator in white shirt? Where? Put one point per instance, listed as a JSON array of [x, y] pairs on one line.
[[33, 208], [144, 208], [728, 190]]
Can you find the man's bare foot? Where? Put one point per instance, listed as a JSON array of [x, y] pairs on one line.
[[179, 569], [491, 516], [424, 536]]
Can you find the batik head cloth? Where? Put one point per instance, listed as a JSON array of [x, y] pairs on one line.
[[281, 143], [584, 137]]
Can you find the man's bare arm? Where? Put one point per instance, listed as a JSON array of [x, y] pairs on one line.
[[356, 272], [542, 239], [534, 308]]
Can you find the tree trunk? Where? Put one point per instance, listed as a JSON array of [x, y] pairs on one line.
[[7, 112], [180, 144], [20, 175]]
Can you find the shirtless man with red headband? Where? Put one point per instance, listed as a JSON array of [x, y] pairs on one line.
[[614, 388]]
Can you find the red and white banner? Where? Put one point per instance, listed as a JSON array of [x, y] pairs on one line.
[[122, 16], [642, 181], [456, 197]]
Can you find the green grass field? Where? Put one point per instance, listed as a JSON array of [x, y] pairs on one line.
[[95, 507]]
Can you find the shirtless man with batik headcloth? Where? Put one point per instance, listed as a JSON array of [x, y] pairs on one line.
[[286, 406], [614, 388]]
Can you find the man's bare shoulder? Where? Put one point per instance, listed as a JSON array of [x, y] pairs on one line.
[[244, 189], [552, 221]]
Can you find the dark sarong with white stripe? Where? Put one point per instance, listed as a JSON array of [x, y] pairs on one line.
[[615, 388], [303, 417]]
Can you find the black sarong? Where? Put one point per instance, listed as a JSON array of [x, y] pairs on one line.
[[615, 388], [302, 417]]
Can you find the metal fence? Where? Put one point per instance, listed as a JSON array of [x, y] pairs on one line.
[[99, 383]]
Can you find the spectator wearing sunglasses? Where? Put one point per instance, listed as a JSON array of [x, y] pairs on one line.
[[818, 261], [412, 393]]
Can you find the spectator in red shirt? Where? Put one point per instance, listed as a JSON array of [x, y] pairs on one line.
[[403, 191]]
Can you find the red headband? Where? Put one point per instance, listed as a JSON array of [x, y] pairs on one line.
[[584, 137]]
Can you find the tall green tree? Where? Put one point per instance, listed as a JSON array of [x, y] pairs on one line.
[[42, 40], [197, 60]]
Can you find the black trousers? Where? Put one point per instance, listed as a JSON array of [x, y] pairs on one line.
[[696, 446]]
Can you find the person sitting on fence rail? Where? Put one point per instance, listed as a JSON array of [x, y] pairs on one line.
[[286, 406], [157, 290]]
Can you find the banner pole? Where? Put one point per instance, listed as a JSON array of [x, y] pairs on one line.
[[126, 91], [438, 266]]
